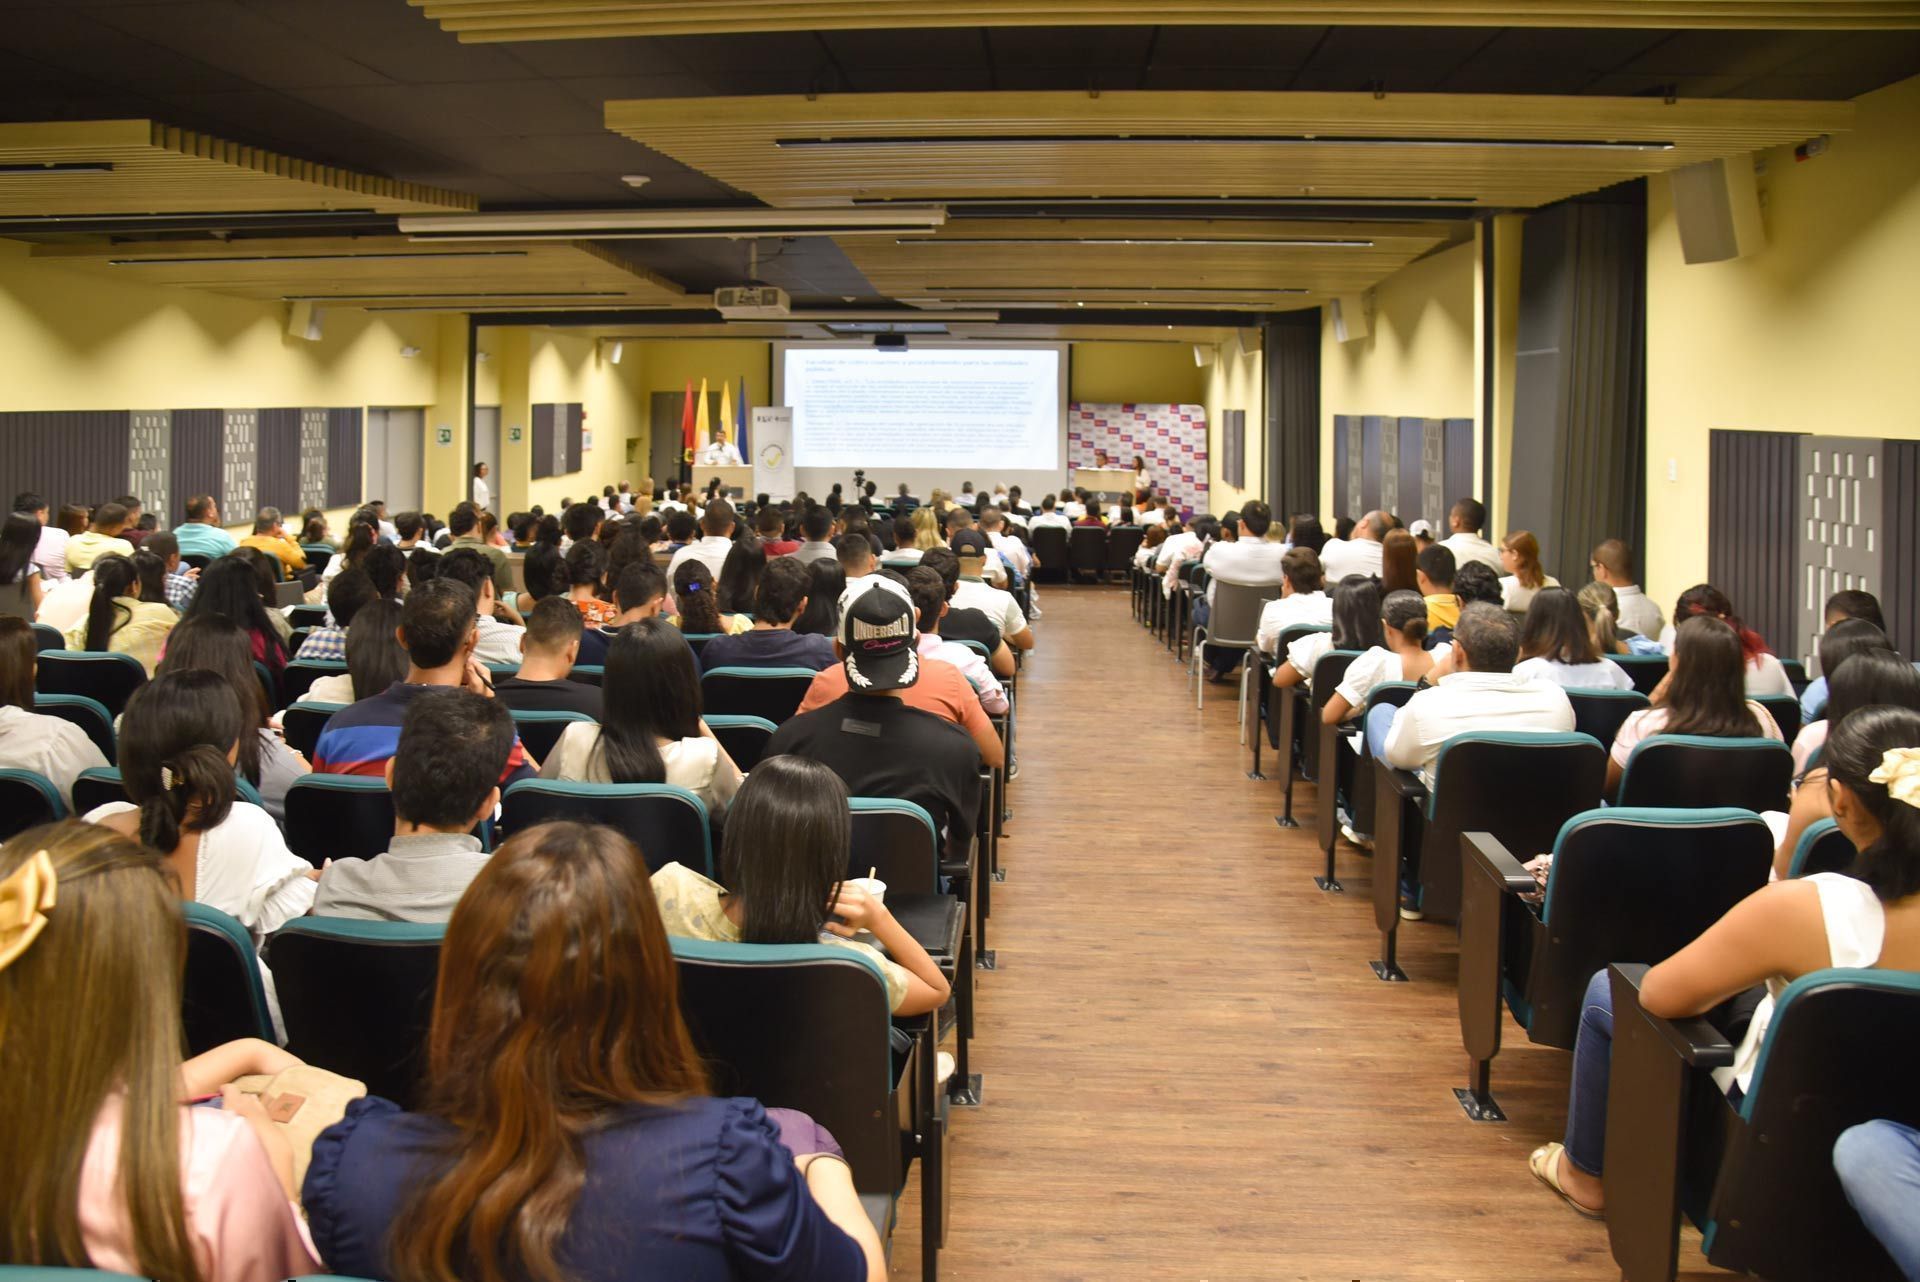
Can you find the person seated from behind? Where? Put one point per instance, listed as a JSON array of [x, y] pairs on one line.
[[1764, 675], [972, 592], [1433, 574], [445, 780], [650, 728], [680, 529], [1557, 645], [771, 526], [349, 591], [785, 857], [1361, 551], [375, 658], [1050, 517], [817, 526], [1703, 693], [635, 1171], [548, 653], [54, 749], [437, 631], [929, 592], [182, 580], [1612, 564], [1303, 600], [1865, 678], [118, 618], [1481, 691], [978, 560], [586, 566], [1464, 521], [107, 1164], [640, 592], [412, 529], [779, 600], [386, 568], [102, 537], [970, 623], [423, 563], [1602, 610], [1848, 604], [1149, 547], [270, 536], [497, 628], [878, 728], [1471, 582], [1401, 656], [1091, 515], [856, 556], [696, 600], [463, 524], [1355, 616]]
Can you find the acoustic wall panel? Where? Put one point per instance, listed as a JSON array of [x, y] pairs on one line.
[[1900, 538], [1840, 533], [1293, 416], [313, 458], [576, 416], [65, 456], [1459, 483], [543, 442], [1233, 453], [1433, 473], [1346, 469], [149, 465], [1408, 497], [1753, 484], [239, 460], [1389, 465], [344, 458], [1372, 428], [279, 475], [196, 456]]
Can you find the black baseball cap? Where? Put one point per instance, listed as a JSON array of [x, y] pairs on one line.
[[969, 543], [880, 634]]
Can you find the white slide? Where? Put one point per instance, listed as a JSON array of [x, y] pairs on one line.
[[993, 410]]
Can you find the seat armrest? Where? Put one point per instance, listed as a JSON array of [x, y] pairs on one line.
[[1404, 783], [1698, 1043], [1485, 852]]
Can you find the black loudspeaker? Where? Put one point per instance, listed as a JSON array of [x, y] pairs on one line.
[[1717, 206]]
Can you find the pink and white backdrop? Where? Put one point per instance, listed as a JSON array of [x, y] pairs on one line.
[[1172, 438]]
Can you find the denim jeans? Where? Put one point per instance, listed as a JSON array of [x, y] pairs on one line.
[[1586, 1137], [1879, 1166], [1379, 721]]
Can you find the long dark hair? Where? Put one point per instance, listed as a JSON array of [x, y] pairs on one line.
[[360, 540], [113, 576], [1869, 679], [544, 571], [1397, 553], [18, 538], [650, 692], [740, 575], [1356, 613], [693, 592], [827, 580], [1556, 629], [1855, 749], [1307, 533], [375, 657], [1704, 598], [1708, 692], [1405, 613], [557, 1006], [183, 723], [788, 832], [230, 589], [152, 573], [210, 643]]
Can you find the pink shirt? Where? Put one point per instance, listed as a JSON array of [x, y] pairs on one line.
[[1649, 722], [241, 1225]]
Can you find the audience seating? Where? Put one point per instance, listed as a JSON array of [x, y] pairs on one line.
[[104, 676], [47, 637], [1757, 1176], [268, 686], [1601, 713], [805, 1026], [1049, 544], [1122, 542], [592, 674], [744, 738], [1231, 623], [1190, 582], [103, 786], [1349, 770], [1821, 848], [302, 723], [1087, 551], [1625, 885], [296, 638], [27, 799], [666, 821], [1519, 786], [1266, 697], [697, 641], [772, 693], [1785, 710], [357, 997], [307, 616], [1299, 719], [198, 560], [1796, 671], [299, 675], [1670, 770], [1647, 670], [540, 731], [222, 996], [89, 714], [318, 555], [338, 817]]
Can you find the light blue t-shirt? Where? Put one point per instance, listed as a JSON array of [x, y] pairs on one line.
[[200, 539]]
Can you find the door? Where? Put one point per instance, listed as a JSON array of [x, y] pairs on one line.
[[484, 445], [395, 443], [663, 456]]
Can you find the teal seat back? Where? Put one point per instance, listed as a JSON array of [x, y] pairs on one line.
[[898, 840], [303, 722], [1822, 847], [1601, 713], [89, 714], [103, 675], [667, 822], [1647, 670], [102, 786], [298, 676], [1693, 771], [772, 693], [540, 731], [338, 817], [222, 996], [27, 799], [744, 738]]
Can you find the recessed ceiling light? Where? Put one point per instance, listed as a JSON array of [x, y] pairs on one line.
[[635, 181]]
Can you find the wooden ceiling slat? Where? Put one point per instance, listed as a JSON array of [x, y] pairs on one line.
[[512, 20], [160, 169]]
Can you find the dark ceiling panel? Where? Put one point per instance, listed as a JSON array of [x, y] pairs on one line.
[[1280, 50], [73, 41], [239, 42], [427, 112], [392, 37], [562, 58], [1405, 61], [1543, 60], [597, 90]]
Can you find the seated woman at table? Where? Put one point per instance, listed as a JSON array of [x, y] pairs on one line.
[[785, 855]]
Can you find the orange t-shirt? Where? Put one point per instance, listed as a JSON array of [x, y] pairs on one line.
[[942, 690], [596, 611]]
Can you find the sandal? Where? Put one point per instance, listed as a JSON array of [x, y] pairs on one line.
[[1545, 1165]]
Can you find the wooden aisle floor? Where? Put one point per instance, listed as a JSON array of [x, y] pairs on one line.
[[1190, 1070]]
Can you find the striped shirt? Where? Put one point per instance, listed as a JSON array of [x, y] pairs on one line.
[[362, 737]]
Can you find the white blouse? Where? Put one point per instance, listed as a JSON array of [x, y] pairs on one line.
[[244, 868], [694, 764], [1599, 675], [1517, 598]]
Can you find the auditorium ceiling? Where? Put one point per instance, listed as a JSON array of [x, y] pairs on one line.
[[1135, 160]]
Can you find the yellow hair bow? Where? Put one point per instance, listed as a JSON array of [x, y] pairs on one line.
[[26, 894], [1899, 770]]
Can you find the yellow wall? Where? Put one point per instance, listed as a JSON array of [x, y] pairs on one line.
[[1147, 373], [1235, 381], [1418, 359], [668, 364], [562, 369], [1812, 334]]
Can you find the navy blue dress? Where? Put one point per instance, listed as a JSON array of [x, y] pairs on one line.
[[702, 1191]]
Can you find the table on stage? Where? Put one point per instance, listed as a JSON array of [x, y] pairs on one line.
[[1107, 482], [733, 479]]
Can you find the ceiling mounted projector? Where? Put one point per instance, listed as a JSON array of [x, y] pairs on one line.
[[751, 302]]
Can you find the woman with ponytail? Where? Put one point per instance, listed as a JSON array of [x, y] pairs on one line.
[[1601, 604], [179, 740], [698, 602], [214, 644], [118, 619], [105, 1165], [1868, 917], [1401, 656], [1764, 673]]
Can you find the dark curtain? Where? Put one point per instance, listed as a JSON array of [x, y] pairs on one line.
[[1901, 569], [1293, 416], [74, 456], [278, 484], [543, 453], [345, 448], [1752, 480], [196, 445], [576, 431]]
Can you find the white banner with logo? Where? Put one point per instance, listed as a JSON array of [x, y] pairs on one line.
[[771, 440]]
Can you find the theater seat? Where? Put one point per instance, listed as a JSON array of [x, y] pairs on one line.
[[222, 996], [338, 817], [108, 678], [1601, 713], [27, 799], [299, 675], [772, 693], [666, 821], [540, 731], [89, 714], [302, 723], [99, 787], [1683, 770], [1822, 848], [744, 738]]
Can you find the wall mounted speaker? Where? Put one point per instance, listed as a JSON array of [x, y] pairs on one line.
[[1349, 317], [1203, 354], [303, 322], [1717, 206]]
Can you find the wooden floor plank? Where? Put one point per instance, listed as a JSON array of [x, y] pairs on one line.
[[1190, 1070]]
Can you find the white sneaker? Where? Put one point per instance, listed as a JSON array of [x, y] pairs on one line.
[[942, 1068], [1357, 838]]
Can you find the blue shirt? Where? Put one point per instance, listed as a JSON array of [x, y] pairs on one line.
[[324, 644], [363, 736], [197, 538], [698, 1192], [180, 590], [768, 648]]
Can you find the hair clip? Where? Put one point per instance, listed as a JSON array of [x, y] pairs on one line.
[[166, 778]]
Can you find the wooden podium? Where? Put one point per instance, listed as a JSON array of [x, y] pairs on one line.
[[734, 479], [1111, 483]]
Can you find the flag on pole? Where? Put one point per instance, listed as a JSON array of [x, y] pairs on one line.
[[726, 410], [703, 418], [687, 428], [744, 413]]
